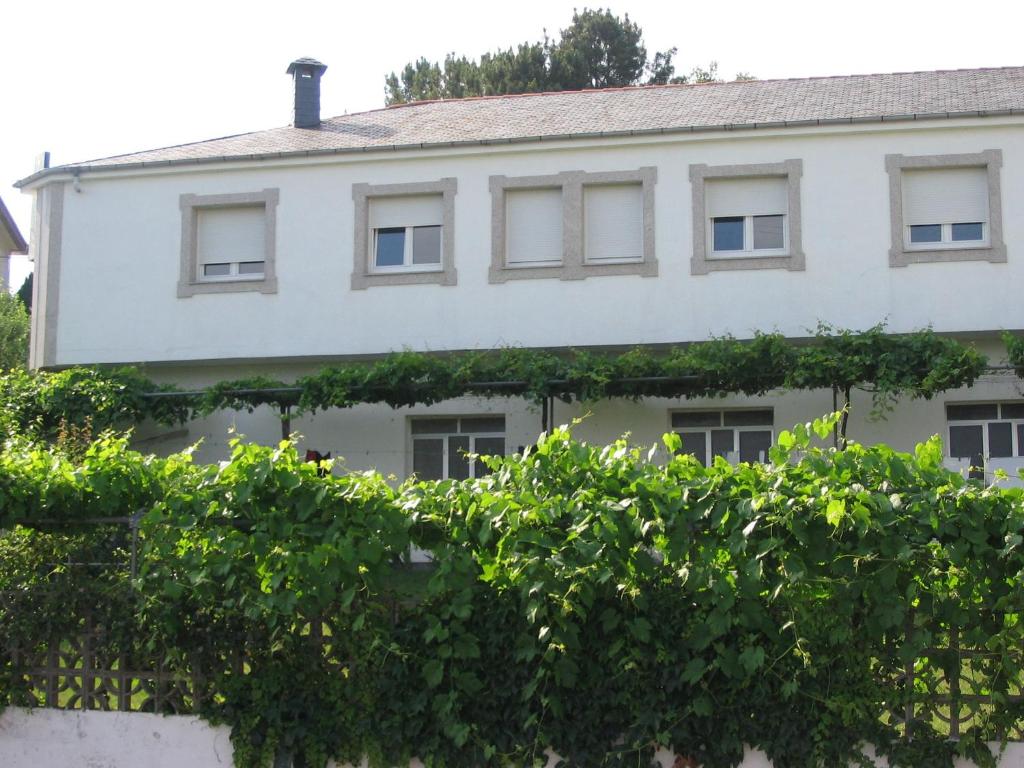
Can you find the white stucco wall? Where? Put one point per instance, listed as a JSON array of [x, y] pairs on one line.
[[52, 737], [121, 250]]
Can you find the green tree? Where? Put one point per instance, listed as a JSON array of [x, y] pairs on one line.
[[25, 293], [597, 50], [13, 331]]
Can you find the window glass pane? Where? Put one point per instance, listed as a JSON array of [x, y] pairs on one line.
[[216, 270], [972, 412], [966, 443], [428, 458], [1000, 439], [250, 268], [926, 233], [483, 424], [458, 464], [695, 445], [754, 445], [1020, 439], [697, 419], [487, 446], [390, 247], [728, 233], [722, 442], [759, 418], [426, 245], [1013, 410], [434, 426], [768, 232], [972, 231]]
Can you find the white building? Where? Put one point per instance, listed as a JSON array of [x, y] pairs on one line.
[[595, 219]]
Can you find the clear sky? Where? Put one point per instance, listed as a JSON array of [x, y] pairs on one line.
[[91, 79]]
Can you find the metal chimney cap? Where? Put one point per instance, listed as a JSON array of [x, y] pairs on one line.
[[306, 61]]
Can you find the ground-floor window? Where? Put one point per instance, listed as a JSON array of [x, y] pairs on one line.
[[440, 445], [985, 430], [735, 434]]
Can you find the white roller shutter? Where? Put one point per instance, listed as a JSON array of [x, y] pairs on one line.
[[407, 211], [614, 222], [533, 226], [231, 234], [762, 196], [945, 195]]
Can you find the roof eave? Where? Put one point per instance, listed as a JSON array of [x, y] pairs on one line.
[[9, 225], [75, 170]]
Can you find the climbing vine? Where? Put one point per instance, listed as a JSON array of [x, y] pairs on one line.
[[41, 403], [584, 599], [889, 366], [1015, 352]]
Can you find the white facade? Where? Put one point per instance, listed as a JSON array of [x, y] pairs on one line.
[[112, 245], [121, 231]]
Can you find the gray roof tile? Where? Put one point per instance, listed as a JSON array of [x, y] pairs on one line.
[[495, 119]]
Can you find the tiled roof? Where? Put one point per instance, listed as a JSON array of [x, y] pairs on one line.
[[637, 110]]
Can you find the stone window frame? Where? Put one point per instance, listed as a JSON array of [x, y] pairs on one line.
[[574, 265], [189, 283], [994, 252], [701, 262], [363, 275]]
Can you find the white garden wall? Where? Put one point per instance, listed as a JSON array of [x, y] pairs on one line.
[[41, 738]]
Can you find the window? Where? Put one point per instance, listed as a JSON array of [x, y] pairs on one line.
[[440, 445], [407, 233], [613, 216], [981, 431], [231, 243], [573, 225], [228, 243], [404, 234], [736, 435], [533, 227], [746, 217], [945, 208]]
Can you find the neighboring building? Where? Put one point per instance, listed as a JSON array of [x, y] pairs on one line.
[[11, 242], [594, 219]]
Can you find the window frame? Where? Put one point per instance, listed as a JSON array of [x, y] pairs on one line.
[[902, 252], [721, 426], [1015, 422], [408, 253], [748, 237], [365, 273], [444, 437], [945, 240], [705, 260], [574, 264], [190, 281]]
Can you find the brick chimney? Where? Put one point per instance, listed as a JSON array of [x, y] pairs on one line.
[[306, 73]]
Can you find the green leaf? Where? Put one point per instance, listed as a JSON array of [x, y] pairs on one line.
[[835, 512], [433, 672]]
